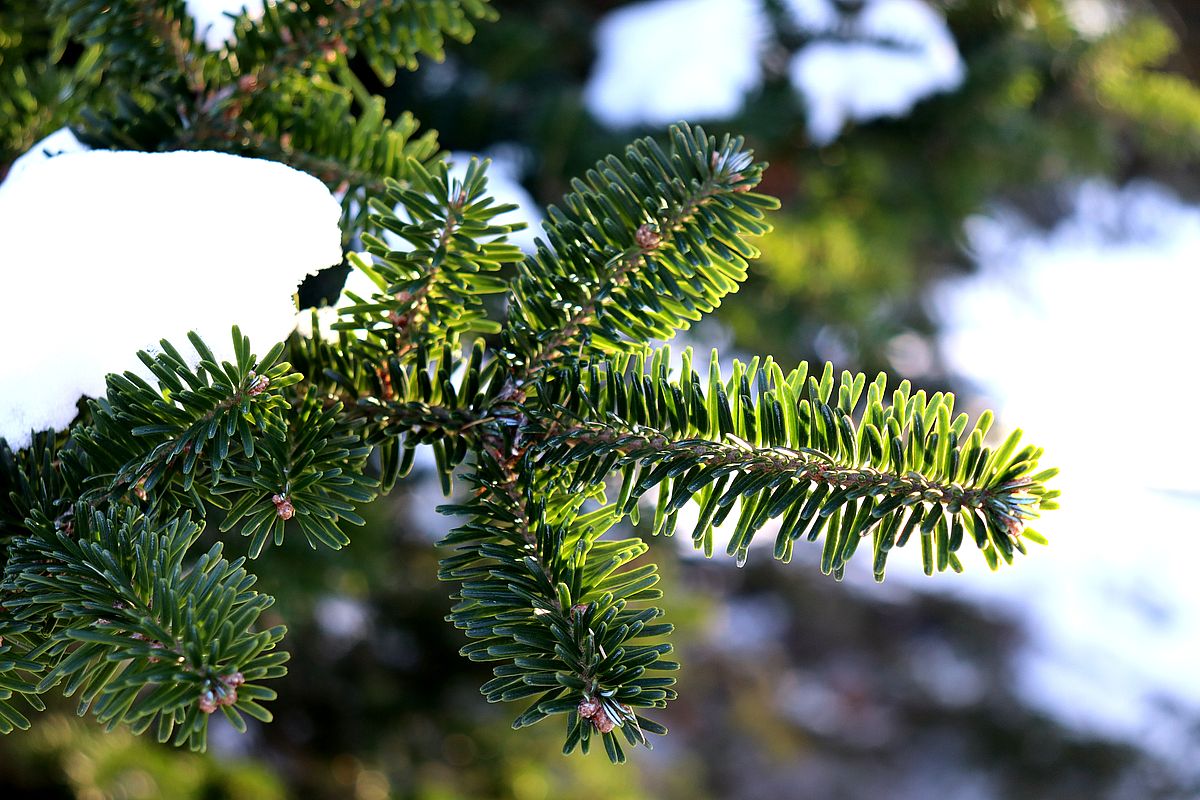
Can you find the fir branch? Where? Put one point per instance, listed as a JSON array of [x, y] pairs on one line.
[[141, 638], [433, 289], [640, 250], [554, 605], [783, 454]]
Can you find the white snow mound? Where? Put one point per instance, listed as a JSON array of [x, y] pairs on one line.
[[666, 60], [104, 253], [61, 142], [896, 53]]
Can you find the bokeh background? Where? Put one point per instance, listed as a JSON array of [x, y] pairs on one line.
[[996, 197]]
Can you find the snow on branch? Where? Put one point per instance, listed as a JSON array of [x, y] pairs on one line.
[[103, 253]]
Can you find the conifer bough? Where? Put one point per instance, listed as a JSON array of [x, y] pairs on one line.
[[548, 427], [555, 434]]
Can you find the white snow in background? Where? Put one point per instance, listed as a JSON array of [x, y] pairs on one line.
[[61, 142], [104, 253], [342, 618], [1094, 18], [898, 52], [213, 26], [666, 60], [1085, 336], [813, 16]]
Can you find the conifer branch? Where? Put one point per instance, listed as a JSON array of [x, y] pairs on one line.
[[599, 286], [783, 450]]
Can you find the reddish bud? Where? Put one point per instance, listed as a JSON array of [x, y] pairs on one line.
[[589, 708], [647, 237], [258, 385], [283, 506], [603, 722]]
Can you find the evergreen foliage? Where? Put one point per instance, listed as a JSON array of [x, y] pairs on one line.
[[554, 424]]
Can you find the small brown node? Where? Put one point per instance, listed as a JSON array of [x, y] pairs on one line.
[[589, 708], [258, 385], [648, 237], [603, 722], [283, 506], [208, 701]]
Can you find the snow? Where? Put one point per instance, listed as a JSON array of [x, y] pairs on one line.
[[56, 144], [103, 253], [896, 53], [1094, 18], [1085, 336], [666, 60], [213, 25], [814, 16]]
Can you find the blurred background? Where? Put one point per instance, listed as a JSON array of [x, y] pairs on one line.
[[996, 197]]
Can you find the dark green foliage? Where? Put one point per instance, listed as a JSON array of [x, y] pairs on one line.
[[560, 610], [432, 290], [110, 612]]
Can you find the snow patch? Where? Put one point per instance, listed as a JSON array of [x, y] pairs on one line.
[[103, 253], [1052, 328], [61, 142], [666, 60], [814, 16], [214, 26], [894, 54], [1094, 18]]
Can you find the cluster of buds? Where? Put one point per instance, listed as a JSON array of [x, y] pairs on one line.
[[648, 238], [593, 710], [283, 506], [222, 692], [258, 385]]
